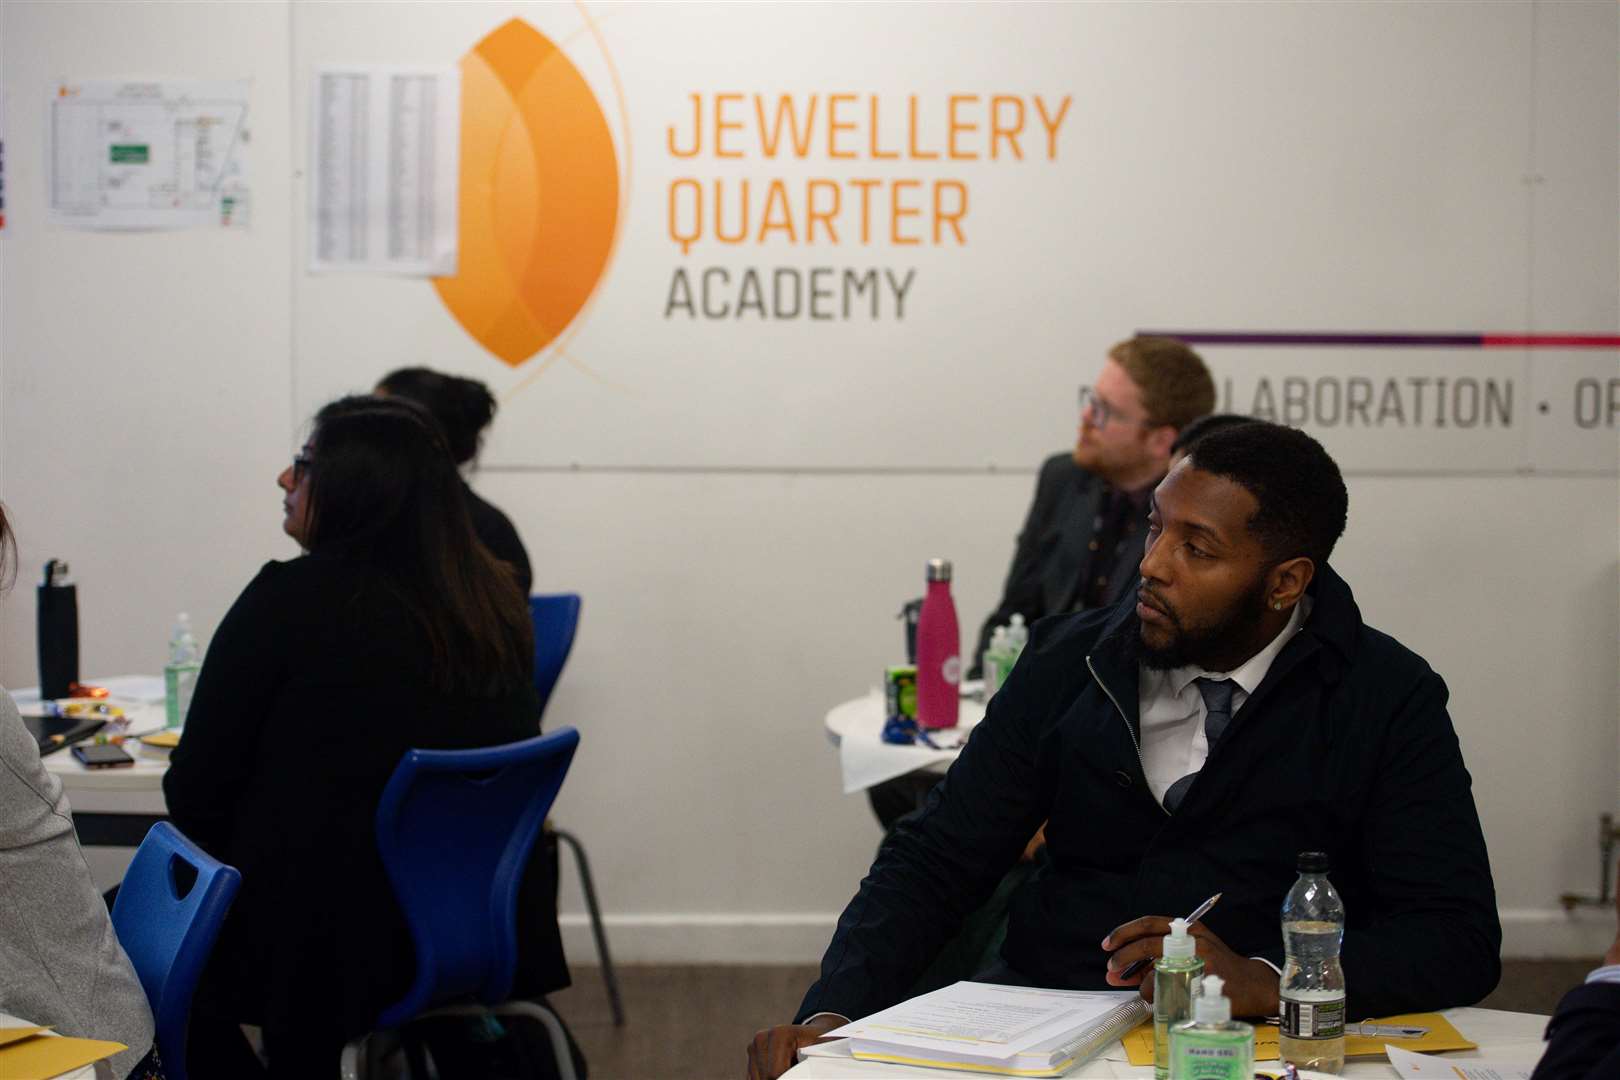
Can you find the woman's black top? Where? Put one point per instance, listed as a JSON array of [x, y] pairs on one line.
[[496, 532], [314, 686]]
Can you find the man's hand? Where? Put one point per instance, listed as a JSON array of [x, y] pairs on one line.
[[1250, 984], [775, 1050], [1613, 955]]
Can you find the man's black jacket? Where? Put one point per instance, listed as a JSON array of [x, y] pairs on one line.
[[1049, 561], [1583, 1039], [1345, 747]]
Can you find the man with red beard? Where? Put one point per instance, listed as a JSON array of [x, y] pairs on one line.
[[1231, 712], [1077, 548]]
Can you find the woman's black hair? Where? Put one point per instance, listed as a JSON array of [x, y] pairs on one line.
[[461, 407], [8, 552], [385, 492]]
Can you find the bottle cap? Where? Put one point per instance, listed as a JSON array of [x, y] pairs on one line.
[[1180, 944], [1312, 862], [939, 569], [1211, 1007]]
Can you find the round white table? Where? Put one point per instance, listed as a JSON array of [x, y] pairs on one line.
[[113, 809], [1504, 1038], [856, 728], [133, 790]]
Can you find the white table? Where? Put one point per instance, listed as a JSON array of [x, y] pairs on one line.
[[112, 808], [1505, 1038], [856, 728]]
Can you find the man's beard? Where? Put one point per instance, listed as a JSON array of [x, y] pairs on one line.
[[1200, 646]]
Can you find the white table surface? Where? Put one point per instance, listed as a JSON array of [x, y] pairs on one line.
[[1505, 1038], [856, 728], [134, 789], [86, 1072]]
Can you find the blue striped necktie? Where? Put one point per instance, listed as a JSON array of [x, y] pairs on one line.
[[1217, 695]]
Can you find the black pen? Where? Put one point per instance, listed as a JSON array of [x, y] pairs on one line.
[[1198, 913]]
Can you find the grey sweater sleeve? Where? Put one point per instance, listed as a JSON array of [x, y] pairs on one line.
[[60, 961]]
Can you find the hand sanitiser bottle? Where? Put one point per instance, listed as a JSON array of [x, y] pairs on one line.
[[180, 673], [1175, 982], [1212, 1046], [1311, 1035], [939, 652]]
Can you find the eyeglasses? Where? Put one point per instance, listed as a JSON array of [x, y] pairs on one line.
[[301, 464], [1102, 412]]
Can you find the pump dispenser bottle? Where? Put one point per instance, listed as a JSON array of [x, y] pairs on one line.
[[1212, 1046], [1175, 983]]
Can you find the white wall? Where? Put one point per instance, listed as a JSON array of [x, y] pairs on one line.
[[148, 391]]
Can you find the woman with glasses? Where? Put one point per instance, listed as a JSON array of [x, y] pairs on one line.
[[395, 629]]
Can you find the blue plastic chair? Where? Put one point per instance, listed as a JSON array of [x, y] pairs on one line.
[[455, 829], [169, 932], [555, 619]]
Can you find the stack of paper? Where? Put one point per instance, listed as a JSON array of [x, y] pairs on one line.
[[1009, 1030]]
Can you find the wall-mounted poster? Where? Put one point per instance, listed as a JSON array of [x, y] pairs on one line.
[[148, 155]]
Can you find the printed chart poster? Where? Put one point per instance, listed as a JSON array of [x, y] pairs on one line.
[[148, 155], [386, 156]]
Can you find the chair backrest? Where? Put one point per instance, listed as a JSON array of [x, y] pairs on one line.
[[455, 829], [555, 618], [169, 930]]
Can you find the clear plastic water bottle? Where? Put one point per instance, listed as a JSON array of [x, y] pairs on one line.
[[997, 662], [180, 673], [1312, 989], [939, 652]]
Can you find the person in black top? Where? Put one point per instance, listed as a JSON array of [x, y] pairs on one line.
[[1077, 548], [1090, 505], [463, 408], [1583, 1038], [1230, 712], [396, 630]]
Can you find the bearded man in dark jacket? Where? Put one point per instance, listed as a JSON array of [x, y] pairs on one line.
[[1327, 735]]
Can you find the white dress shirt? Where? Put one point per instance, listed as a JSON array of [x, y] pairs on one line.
[[1172, 710]]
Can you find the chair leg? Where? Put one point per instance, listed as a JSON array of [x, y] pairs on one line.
[[554, 1031], [353, 1054], [609, 976]]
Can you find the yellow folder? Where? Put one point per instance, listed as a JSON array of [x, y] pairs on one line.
[[38, 1056], [1442, 1036]]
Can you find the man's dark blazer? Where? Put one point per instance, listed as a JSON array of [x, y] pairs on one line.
[[1583, 1040], [1051, 554], [1344, 747]]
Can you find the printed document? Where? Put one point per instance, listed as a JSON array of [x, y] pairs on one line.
[[1410, 1066], [385, 164], [982, 1018], [148, 155]]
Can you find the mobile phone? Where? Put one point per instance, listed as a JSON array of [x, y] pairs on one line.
[[102, 756]]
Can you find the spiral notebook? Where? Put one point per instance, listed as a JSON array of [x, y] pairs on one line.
[[998, 1030]]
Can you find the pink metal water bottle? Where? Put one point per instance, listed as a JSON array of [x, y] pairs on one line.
[[939, 651]]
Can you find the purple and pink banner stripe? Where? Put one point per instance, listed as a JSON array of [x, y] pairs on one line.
[[1363, 339]]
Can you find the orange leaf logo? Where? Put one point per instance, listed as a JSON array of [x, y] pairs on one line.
[[539, 194]]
